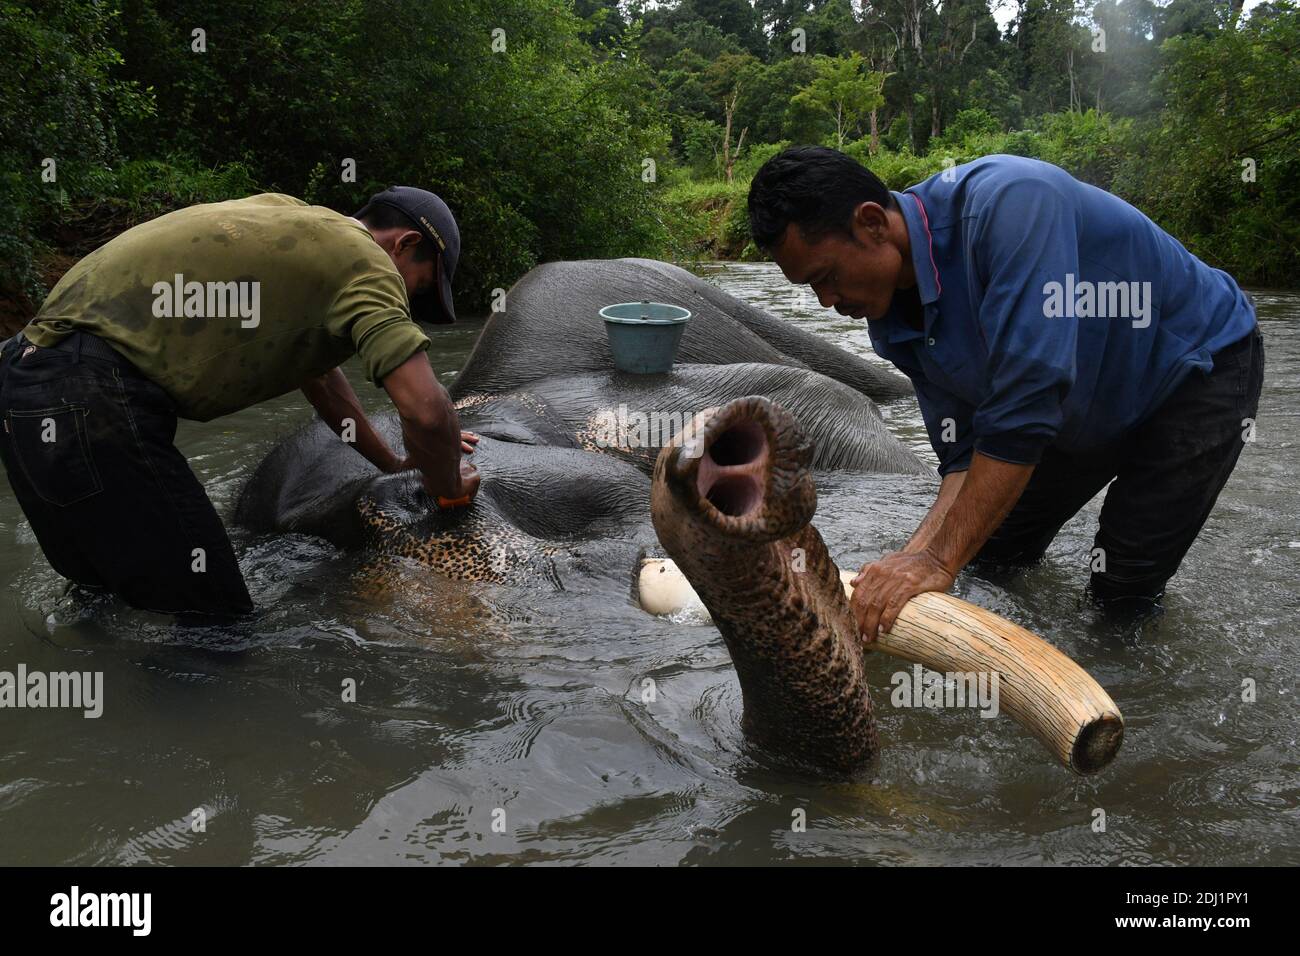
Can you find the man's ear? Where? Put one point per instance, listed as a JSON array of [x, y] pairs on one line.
[[871, 219], [407, 241]]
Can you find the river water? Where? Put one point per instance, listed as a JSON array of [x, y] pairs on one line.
[[495, 725]]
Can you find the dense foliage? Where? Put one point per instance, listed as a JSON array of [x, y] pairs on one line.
[[1190, 109], [533, 136], [572, 128]]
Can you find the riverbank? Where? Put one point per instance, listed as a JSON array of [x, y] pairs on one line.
[[707, 217]]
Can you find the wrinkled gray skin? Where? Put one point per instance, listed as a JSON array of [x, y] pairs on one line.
[[595, 411], [551, 475], [551, 326], [543, 510], [558, 503]]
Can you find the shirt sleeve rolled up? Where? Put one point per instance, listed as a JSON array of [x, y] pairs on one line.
[[373, 311]]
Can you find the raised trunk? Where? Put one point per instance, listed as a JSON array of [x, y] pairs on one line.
[[735, 518], [732, 502]]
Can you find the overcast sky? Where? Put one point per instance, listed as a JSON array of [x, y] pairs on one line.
[[1003, 10]]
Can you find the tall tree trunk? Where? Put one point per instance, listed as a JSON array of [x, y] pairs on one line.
[[731, 162], [728, 157], [875, 134], [1069, 66], [726, 139]]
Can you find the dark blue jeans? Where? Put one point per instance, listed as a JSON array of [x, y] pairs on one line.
[[88, 450], [1164, 478]]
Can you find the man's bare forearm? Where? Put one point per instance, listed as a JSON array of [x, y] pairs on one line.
[[430, 425], [984, 498], [966, 512], [336, 403], [948, 489], [428, 452]]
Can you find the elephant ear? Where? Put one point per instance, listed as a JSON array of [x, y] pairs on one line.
[[308, 484]]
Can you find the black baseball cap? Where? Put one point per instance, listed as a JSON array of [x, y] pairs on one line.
[[431, 216]]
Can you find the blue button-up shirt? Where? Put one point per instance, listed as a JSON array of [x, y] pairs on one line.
[[1054, 313]]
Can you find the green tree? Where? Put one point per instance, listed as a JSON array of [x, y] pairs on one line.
[[537, 140], [725, 78], [60, 107], [845, 90], [1220, 166]]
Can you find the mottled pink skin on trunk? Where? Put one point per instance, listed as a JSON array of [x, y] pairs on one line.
[[733, 509]]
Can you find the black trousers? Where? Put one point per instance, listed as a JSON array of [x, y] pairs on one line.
[[88, 450], [1164, 478]]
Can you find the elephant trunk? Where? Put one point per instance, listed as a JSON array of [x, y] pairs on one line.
[[732, 500]]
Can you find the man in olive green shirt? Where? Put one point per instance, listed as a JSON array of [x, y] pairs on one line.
[[200, 313]]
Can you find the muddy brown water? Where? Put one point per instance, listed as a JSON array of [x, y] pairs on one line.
[[481, 705]]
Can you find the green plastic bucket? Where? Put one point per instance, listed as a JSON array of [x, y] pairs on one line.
[[643, 336]]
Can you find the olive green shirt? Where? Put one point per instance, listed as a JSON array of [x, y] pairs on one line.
[[227, 304]]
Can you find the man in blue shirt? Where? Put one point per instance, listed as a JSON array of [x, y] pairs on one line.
[[1058, 340]]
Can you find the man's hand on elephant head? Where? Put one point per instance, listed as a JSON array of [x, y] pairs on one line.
[[467, 442], [469, 482], [882, 587]]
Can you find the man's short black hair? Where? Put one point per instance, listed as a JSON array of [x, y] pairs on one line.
[[380, 215], [814, 186]]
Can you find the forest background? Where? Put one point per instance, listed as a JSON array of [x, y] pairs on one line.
[[562, 129]]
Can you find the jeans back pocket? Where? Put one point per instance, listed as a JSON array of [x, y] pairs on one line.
[[52, 448]]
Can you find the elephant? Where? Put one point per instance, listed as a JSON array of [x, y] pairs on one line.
[[568, 455], [560, 469], [695, 485], [554, 309], [565, 437]]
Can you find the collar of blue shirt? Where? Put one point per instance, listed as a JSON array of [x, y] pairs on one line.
[[894, 325]]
